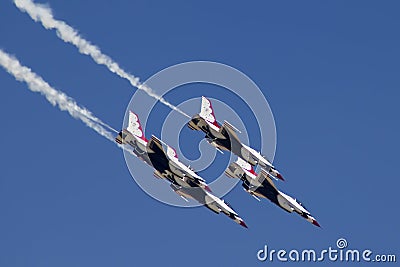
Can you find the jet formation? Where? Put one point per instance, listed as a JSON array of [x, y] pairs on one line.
[[188, 184], [183, 180]]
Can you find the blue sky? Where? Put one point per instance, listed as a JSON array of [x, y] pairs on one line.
[[329, 71]]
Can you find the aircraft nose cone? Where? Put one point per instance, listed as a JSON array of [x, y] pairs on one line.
[[242, 223], [316, 223], [207, 188]]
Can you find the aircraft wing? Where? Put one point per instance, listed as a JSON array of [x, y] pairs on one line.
[[156, 153], [257, 185], [265, 180], [229, 131], [164, 158], [237, 148], [209, 200], [154, 147]]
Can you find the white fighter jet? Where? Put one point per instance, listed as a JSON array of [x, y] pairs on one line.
[[183, 180], [261, 185], [224, 137]]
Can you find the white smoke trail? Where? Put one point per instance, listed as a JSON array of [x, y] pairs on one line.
[[55, 97], [44, 15]]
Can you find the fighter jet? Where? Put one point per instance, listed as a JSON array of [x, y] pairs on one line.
[[134, 136], [261, 185], [224, 137], [183, 180]]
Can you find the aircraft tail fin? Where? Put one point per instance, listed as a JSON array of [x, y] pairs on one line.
[[134, 126], [207, 111]]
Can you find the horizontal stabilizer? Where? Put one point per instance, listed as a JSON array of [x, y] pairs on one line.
[[156, 140], [227, 124]]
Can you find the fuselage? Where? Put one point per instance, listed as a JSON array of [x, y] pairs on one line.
[[138, 145], [212, 131], [265, 189], [220, 138]]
